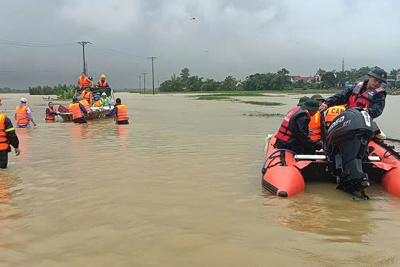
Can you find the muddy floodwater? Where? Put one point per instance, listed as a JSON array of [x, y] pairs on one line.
[[179, 186]]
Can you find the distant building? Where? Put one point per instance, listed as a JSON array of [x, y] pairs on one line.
[[309, 79]]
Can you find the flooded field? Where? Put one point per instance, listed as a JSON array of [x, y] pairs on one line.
[[179, 186]]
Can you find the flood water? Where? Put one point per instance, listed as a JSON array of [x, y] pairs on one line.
[[179, 186]]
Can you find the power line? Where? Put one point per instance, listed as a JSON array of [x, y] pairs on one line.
[[26, 44], [115, 52]]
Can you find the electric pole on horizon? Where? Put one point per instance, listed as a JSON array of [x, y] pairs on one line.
[[144, 82], [140, 83], [83, 43], [152, 69]]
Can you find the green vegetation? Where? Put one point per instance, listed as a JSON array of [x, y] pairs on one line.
[[280, 81], [262, 103], [48, 90], [225, 97], [68, 94], [263, 114], [7, 90], [213, 97]]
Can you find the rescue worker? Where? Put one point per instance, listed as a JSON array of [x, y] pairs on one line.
[[120, 112], [314, 126], [97, 102], [84, 103], [302, 100], [368, 95], [51, 112], [104, 100], [332, 113], [293, 133], [102, 82], [78, 111], [84, 81], [88, 95], [7, 137], [23, 115]]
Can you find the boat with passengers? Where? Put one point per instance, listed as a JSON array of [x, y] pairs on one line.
[[96, 112], [352, 157]]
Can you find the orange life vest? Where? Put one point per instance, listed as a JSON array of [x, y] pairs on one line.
[[357, 100], [314, 127], [285, 133], [84, 81], [87, 95], [3, 135], [75, 110], [21, 115], [85, 104], [332, 113], [103, 84], [122, 114], [51, 116]]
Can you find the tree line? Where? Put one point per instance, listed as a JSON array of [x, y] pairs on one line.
[[280, 80], [48, 90]]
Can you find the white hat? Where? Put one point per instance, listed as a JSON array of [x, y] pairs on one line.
[[104, 94], [23, 100]]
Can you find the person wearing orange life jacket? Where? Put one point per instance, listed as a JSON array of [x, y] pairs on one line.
[[332, 113], [84, 81], [120, 112], [88, 95], [51, 112], [368, 95], [78, 111], [23, 115], [102, 82], [314, 126], [293, 133], [7, 137], [84, 103]]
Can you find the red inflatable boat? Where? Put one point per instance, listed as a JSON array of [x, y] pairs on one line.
[[351, 157]]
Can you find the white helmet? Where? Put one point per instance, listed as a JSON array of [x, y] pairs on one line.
[[23, 100], [104, 94]]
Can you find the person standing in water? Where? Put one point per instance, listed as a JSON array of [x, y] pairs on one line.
[[23, 115], [7, 137]]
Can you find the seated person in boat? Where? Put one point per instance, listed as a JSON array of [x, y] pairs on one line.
[[120, 113], [102, 82], [104, 100], [97, 102], [84, 81], [88, 95], [314, 126], [293, 133], [368, 95]]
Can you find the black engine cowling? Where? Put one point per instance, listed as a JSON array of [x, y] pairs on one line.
[[346, 142]]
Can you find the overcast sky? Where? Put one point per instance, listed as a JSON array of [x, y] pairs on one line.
[[213, 38]]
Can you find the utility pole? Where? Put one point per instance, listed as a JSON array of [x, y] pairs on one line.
[[152, 69], [83, 43], [144, 82], [140, 83], [343, 64]]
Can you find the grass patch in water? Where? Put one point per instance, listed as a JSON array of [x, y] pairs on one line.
[[262, 103], [263, 114], [212, 97]]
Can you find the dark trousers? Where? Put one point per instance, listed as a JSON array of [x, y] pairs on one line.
[[122, 122], [3, 159], [80, 120]]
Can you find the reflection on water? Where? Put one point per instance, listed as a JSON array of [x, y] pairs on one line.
[[179, 186]]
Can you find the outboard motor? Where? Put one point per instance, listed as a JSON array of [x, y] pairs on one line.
[[346, 142]]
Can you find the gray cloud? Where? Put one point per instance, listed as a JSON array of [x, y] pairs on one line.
[[234, 37]]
